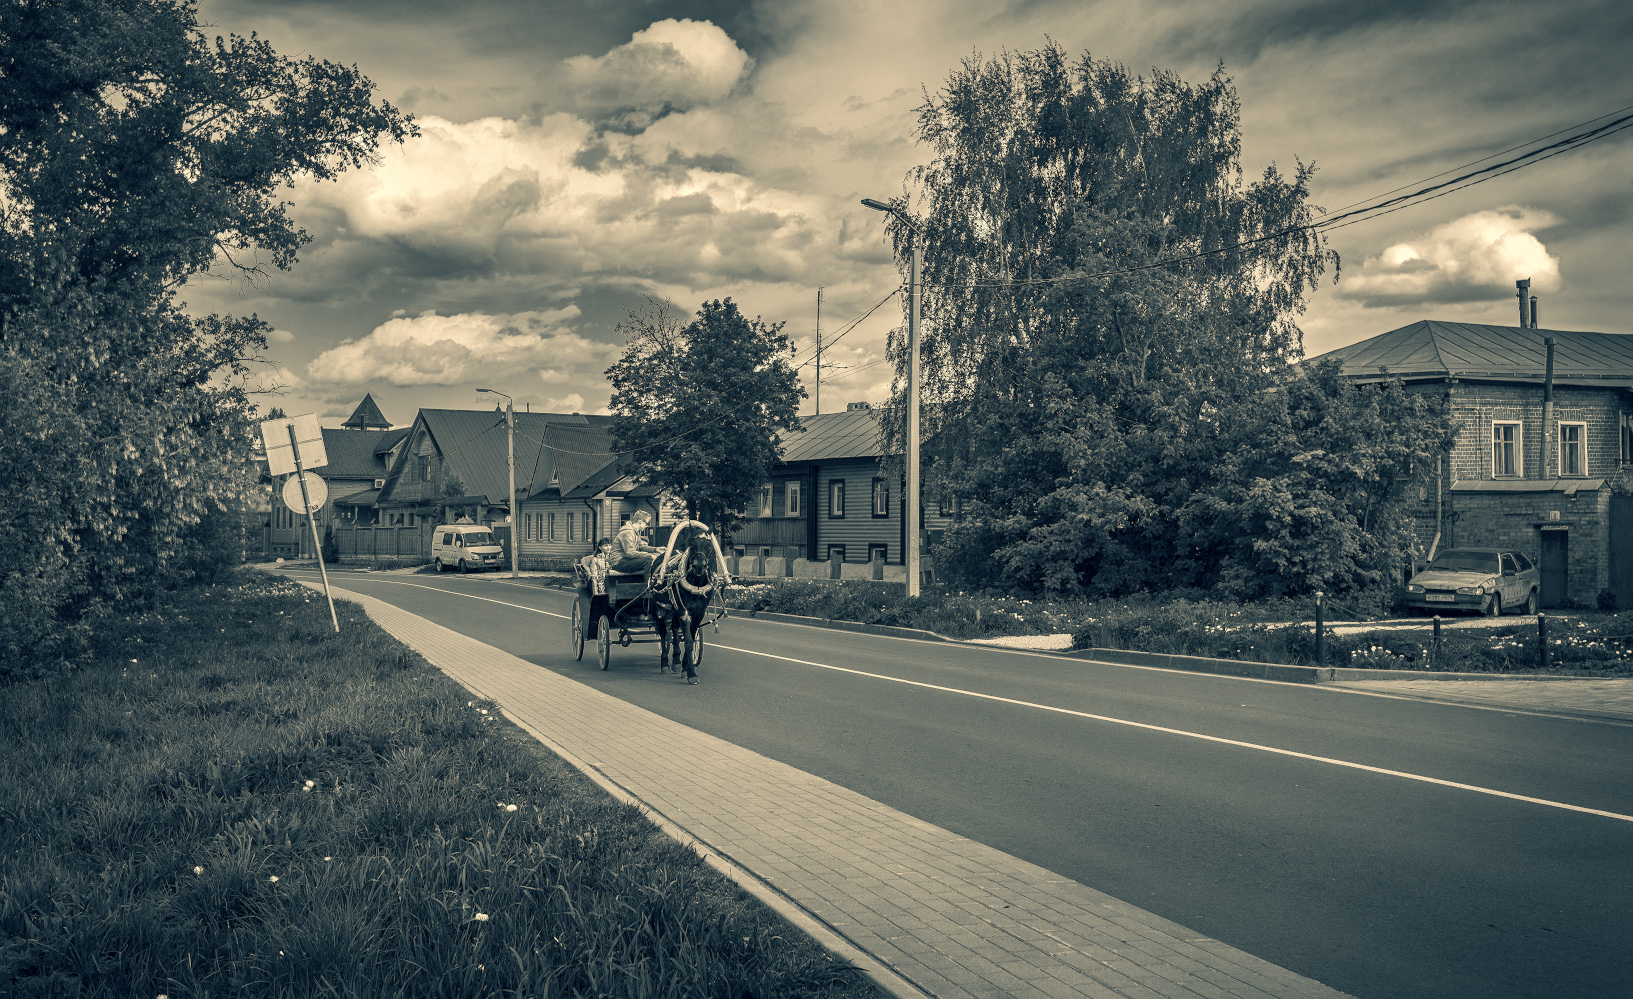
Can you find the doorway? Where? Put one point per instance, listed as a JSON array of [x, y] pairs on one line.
[[1555, 565]]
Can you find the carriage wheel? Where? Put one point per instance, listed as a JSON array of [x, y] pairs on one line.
[[603, 642], [578, 631], [697, 649], [624, 638]]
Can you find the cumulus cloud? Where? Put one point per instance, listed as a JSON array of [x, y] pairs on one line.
[[670, 66], [280, 336], [430, 349], [1472, 259]]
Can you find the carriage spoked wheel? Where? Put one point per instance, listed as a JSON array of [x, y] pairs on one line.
[[578, 631], [697, 648], [603, 642]]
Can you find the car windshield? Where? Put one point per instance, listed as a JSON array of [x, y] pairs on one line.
[[474, 538], [1459, 561]]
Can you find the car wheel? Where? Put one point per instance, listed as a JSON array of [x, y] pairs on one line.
[[1531, 603], [1495, 607], [438, 563], [463, 567]]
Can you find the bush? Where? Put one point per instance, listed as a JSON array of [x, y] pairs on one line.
[[331, 546], [1607, 600], [964, 556], [209, 551]]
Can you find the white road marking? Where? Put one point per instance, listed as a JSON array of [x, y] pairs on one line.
[[1103, 718]]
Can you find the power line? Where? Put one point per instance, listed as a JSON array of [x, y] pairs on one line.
[[1329, 220]]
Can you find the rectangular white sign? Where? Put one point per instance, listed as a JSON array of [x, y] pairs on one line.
[[280, 455]]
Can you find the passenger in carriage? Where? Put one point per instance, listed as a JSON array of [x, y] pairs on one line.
[[630, 552]]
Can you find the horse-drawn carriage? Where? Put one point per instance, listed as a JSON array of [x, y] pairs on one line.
[[666, 605]]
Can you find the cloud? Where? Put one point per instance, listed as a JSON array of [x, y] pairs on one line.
[[1475, 258], [280, 336], [670, 66], [573, 403], [429, 349]]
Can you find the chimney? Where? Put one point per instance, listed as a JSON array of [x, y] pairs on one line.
[[1523, 286], [1534, 312]]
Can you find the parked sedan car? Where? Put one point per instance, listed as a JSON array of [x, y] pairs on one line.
[[1482, 580]]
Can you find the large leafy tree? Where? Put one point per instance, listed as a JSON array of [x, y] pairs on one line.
[[703, 406], [135, 153], [1109, 317]]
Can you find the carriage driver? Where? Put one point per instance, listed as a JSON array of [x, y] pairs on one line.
[[630, 552]]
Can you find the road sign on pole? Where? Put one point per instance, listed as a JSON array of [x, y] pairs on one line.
[[283, 438], [297, 448], [316, 492]]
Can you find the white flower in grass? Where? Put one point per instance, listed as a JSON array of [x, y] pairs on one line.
[[198, 870], [310, 784], [327, 859], [510, 808], [273, 879], [481, 917]]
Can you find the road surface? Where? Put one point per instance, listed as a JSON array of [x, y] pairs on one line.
[[1384, 847]]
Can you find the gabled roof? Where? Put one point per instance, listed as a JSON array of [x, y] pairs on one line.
[[367, 416], [570, 456], [851, 434], [358, 454], [473, 444], [1433, 349]]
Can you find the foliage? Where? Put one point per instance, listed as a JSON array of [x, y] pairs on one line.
[[276, 810], [954, 615], [136, 152], [703, 407], [331, 546], [1109, 316]]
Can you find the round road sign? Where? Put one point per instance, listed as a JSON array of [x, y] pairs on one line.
[[316, 489]]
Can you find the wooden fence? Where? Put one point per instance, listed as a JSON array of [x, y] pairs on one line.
[[375, 542]]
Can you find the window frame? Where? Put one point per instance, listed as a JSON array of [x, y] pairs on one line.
[[881, 491], [767, 491], [1581, 448], [792, 499], [883, 548], [836, 548], [1518, 444], [570, 526], [836, 489], [550, 521]]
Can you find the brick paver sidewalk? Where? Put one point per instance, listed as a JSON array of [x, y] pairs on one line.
[[919, 908]]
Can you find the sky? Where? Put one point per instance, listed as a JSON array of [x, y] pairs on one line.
[[580, 159]]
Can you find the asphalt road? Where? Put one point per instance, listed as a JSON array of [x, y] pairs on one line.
[[1478, 865]]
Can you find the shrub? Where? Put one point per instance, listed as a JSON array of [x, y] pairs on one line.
[[1607, 600], [208, 551], [331, 546]]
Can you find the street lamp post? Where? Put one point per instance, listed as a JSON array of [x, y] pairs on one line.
[[910, 502], [510, 502]]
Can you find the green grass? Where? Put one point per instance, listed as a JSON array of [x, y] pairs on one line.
[[232, 801]]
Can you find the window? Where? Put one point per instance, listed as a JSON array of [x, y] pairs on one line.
[[623, 519], [792, 499], [836, 553], [1573, 452], [448, 538], [836, 501], [881, 498], [1509, 565], [1505, 450], [946, 506], [1626, 423], [571, 534], [1524, 563], [765, 500], [550, 521], [880, 552], [425, 469]]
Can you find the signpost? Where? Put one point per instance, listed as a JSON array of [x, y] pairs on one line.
[[304, 450]]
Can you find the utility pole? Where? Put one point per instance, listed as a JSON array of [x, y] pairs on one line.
[[910, 502], [510, 504], [819, 354]]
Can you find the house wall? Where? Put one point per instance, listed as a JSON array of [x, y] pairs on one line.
[[858, 528], [533, 530], [1515, 519]]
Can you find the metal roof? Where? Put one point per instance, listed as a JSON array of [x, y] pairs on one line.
[[851, 434], [357, 454], [572, 456], [473, 446], [1430, 348], [367, 416]]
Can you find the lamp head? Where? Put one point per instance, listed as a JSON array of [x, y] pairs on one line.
[[878, 206]]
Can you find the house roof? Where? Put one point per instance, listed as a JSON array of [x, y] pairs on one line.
[[1430, 348], [358, 454], [473, 444], [367, 497], [851, 434], [570, 457], [367, 416]]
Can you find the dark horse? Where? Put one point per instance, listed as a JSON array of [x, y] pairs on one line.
[[678, 608]]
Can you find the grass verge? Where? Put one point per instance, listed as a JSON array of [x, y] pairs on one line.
[[230, 800]]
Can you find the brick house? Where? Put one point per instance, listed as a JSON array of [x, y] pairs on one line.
[[1544, 477]]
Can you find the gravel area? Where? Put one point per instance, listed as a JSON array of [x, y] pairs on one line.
[[1050, 643]]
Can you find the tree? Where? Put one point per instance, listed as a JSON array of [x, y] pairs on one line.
[[703, 407], [1109, 315], [135, 152]]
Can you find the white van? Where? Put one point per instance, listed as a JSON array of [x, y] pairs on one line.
[[468, 546]]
